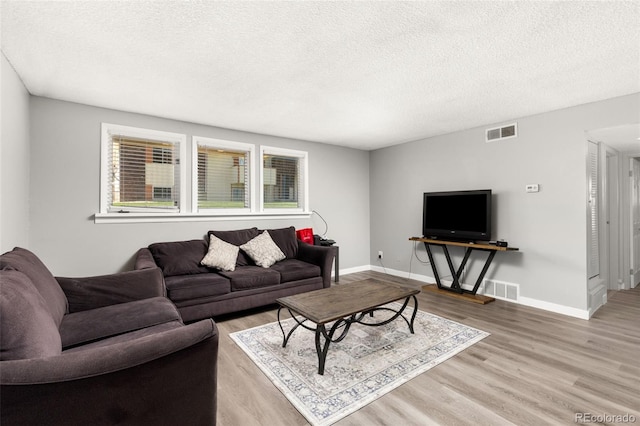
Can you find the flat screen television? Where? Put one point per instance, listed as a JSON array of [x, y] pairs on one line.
[[457, 215]]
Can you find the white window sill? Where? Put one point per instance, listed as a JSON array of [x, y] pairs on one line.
[[192, 217]]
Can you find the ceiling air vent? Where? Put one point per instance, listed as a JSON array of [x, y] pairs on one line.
[[504, 132]]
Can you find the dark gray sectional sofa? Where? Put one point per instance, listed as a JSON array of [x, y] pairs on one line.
[[202, 292], [100, 350]]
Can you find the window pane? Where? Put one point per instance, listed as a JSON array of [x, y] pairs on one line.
[[282, 182], [223, 178], [144, 174], [162, 155]]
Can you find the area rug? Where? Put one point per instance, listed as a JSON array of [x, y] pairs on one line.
[[368, 363]]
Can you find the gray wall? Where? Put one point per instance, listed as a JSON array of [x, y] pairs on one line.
[[549, 227], [65, 173], [14, 160], [372, 201]]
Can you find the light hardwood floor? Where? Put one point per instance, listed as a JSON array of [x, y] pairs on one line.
[[536, 368]]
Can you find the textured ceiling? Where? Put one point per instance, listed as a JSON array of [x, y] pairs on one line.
[[359, 74]]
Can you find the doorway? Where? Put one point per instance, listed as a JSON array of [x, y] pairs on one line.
[[619, 242], [634, 177], [611, 204]]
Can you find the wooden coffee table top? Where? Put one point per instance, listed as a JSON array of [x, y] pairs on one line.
[[330, 304]]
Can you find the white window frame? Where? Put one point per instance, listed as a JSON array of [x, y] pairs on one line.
[[222, 144], [105, 169], [303, 157], [187, 210]]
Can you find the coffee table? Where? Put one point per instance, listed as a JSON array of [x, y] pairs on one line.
[[344, 305]]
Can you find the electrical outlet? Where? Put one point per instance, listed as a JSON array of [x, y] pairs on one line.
[[380, 254], [532, 187]]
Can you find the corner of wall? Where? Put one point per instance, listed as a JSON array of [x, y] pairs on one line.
[[14, 159]]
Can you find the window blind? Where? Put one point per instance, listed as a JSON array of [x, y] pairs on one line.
[[223, 176], [283, 180], [143, 174]]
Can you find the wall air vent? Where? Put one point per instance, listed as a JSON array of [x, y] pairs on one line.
[[501, 133], [500, 290]]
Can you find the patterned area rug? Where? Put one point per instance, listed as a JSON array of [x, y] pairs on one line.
[[368, 363]]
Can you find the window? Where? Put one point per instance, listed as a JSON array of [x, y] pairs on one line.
[[141, 170], [160, 193], [223, 177], [143, 173], [284, 179], [162, 156]]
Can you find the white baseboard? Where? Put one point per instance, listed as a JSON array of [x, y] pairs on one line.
[[354, 270], [554, 307], [526, 301]]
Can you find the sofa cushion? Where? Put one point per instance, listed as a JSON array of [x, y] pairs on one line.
[[238, 238], [286, 239], [127, 337], [100, 323], [180, 257], [294, 270], [85, 293], [220, 255], [249, 277], [27, 329], [29, 264], [188, 287], [263, 250]]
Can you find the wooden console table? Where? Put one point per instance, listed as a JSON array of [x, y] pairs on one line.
[[456, 289]]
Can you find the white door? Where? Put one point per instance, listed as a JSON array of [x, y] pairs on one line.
[[635, 221], [611, 222], [592, 213]]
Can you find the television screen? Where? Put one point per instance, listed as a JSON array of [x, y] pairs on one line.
[[457, 215]]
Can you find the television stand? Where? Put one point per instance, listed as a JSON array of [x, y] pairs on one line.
[[456, 289]]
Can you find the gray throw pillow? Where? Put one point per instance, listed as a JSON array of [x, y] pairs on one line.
[[221, 255], [263, 250]]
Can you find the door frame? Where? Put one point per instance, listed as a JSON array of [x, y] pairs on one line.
[[610, 220], [633, 222]]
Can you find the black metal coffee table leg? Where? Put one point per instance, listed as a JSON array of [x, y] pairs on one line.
[[321, 332], [286, 336], [321, 349]]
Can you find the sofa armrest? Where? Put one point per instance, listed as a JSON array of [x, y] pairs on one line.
[[318, 255], [166, 378], [144, 259], [96, 292]]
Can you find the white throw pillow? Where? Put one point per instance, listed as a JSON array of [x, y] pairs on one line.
[[221, 255], [263, 250]]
